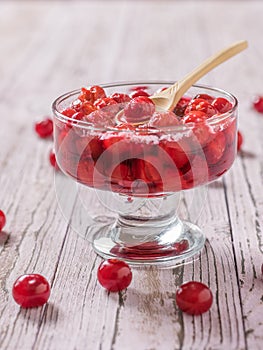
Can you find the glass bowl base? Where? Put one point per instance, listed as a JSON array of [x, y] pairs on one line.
[[189, 240]]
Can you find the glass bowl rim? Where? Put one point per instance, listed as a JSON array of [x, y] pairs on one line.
[[217, 118]]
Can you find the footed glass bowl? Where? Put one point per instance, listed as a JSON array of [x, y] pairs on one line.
[[108, 142]]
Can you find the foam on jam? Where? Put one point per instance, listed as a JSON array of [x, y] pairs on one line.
[[144, 152]]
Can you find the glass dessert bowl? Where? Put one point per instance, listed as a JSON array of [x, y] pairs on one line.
[[112, 139]]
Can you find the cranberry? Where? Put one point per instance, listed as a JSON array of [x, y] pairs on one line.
[[194, 298], [139, 109], [2, 220], [195, 117], [108, 104], [97, 92], [201, 105], [163, 119], [91, 94], [136, 88], [222, 104], [31, 290], [44, 128], [239, 140], [215, 149], [139, 93], [78, 115], [181, 106], [69, 112], [206, 97], [114, 275], [258, 104], [86, 108], [52, 159], [86, 95], [99, 118], [120, 98]]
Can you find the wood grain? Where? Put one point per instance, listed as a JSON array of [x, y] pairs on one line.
[[48, 48]]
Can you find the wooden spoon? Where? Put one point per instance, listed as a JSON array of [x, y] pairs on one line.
[[168, 98]]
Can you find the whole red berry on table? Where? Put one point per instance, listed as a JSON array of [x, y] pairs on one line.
[[31, 290], [44, 128], [258, 104], [114, 275], [194, 298], [239, 140], [2, 220], [52, 159]]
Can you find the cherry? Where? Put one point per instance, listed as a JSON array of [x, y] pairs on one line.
[[239, 140], [52, 159], [44, 128], [139, 109], [222, 104], [202, 105], [31, 290], [114, 275], [2, 220], [258, 104], [194, 298]]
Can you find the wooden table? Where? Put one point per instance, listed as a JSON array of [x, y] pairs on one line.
[[51, 47]]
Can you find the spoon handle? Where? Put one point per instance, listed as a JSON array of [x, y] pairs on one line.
[[176, 91]]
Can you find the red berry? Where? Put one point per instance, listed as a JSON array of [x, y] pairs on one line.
[[97, 92], [194, 298], [52, 159], [239, 140], [181, 106], [215, 148], [120, 98], [108, 104], [68, 112], [139, 93], [258, 104], [139, 109], [31, 290], [195, 117], [2, 220], [136, 88], [201, 105], [114, 275], [206, 97], [86, 108], [44, 128], [222, 104], [162, 119], [99, 118]]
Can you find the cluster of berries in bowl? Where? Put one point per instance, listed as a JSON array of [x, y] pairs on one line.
[[113, 138]]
